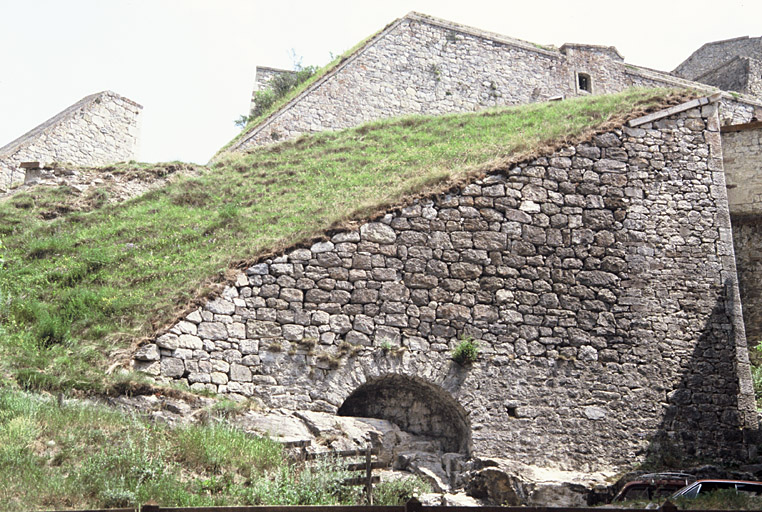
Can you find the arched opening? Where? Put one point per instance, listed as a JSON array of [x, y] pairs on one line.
[[415, 406]]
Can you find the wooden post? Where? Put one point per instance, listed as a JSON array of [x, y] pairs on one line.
[[413, 505], [150, 507], [668, 506], [368, 476]]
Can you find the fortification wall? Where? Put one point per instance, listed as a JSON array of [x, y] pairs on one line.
[[423, 65], [742, 157], [747, 237], [732, 75], [712, 55], [418, 67], [600, 283], [99, 129]]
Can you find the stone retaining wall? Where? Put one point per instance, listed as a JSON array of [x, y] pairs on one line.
[[599, 283], [97, 130]]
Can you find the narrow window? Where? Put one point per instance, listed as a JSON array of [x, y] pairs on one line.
[[584, 82]]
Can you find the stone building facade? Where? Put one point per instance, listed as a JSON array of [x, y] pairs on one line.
[[599, 282], [731, 65], [99, 129], [423, 65]]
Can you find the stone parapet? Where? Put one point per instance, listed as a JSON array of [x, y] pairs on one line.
[[99, 129]]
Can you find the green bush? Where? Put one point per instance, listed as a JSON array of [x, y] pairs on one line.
[[399, 491], [279, 86], [466, 352]]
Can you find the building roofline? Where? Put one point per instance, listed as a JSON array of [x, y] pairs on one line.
[[661, 114], [713, 43], [19, 142], [269, 68], [484, 34], [592, 47]]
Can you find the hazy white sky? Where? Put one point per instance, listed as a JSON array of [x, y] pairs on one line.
[[191, 63]]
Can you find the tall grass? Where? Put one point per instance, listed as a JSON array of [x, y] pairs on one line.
[[77, 455]]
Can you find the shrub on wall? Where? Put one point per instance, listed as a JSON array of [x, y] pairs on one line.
[[278, 87], [466, 352]]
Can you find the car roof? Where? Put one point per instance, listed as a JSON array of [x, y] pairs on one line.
[[705, 480]]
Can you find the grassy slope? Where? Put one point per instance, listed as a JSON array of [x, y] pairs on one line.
[[74, 455], [77, 290]]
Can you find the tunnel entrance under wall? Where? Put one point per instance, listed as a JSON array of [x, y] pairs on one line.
[[414, 405]]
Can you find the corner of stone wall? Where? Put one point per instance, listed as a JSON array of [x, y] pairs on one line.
[[726, 250]]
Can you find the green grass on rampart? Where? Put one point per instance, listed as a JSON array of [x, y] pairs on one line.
[[78, 289]]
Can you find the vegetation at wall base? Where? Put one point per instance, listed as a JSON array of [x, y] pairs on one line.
[[79, 289], [70, 454]]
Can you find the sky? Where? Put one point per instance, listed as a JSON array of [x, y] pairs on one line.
[[191, 63]]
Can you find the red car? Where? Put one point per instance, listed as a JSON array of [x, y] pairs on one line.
[[653, 486]]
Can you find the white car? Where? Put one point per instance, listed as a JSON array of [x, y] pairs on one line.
[[704, 487]]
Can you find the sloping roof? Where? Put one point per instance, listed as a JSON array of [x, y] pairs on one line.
[[18, 143]]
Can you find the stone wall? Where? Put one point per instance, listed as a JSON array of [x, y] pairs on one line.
[[600, 284], [742, 157], [732, 75], [713, 55], [424, 65], [747, 236], [99, 129]]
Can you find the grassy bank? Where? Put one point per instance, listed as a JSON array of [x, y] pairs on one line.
[[74, 455], [77, 288]]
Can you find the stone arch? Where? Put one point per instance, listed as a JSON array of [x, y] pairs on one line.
[[416, 406]]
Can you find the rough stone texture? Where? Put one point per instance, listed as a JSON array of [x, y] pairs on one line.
[[97, 130], [747, 237], [600, 284], [424, 65], [732, 64], [742, 159]]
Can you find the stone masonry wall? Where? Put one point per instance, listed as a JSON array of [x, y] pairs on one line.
[[713, 55], [742, 158], [423, 65], [747, 236], [99, 129], [732, 75], [599, 282]]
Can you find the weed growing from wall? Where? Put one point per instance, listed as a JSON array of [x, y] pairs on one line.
[[466, 352]]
